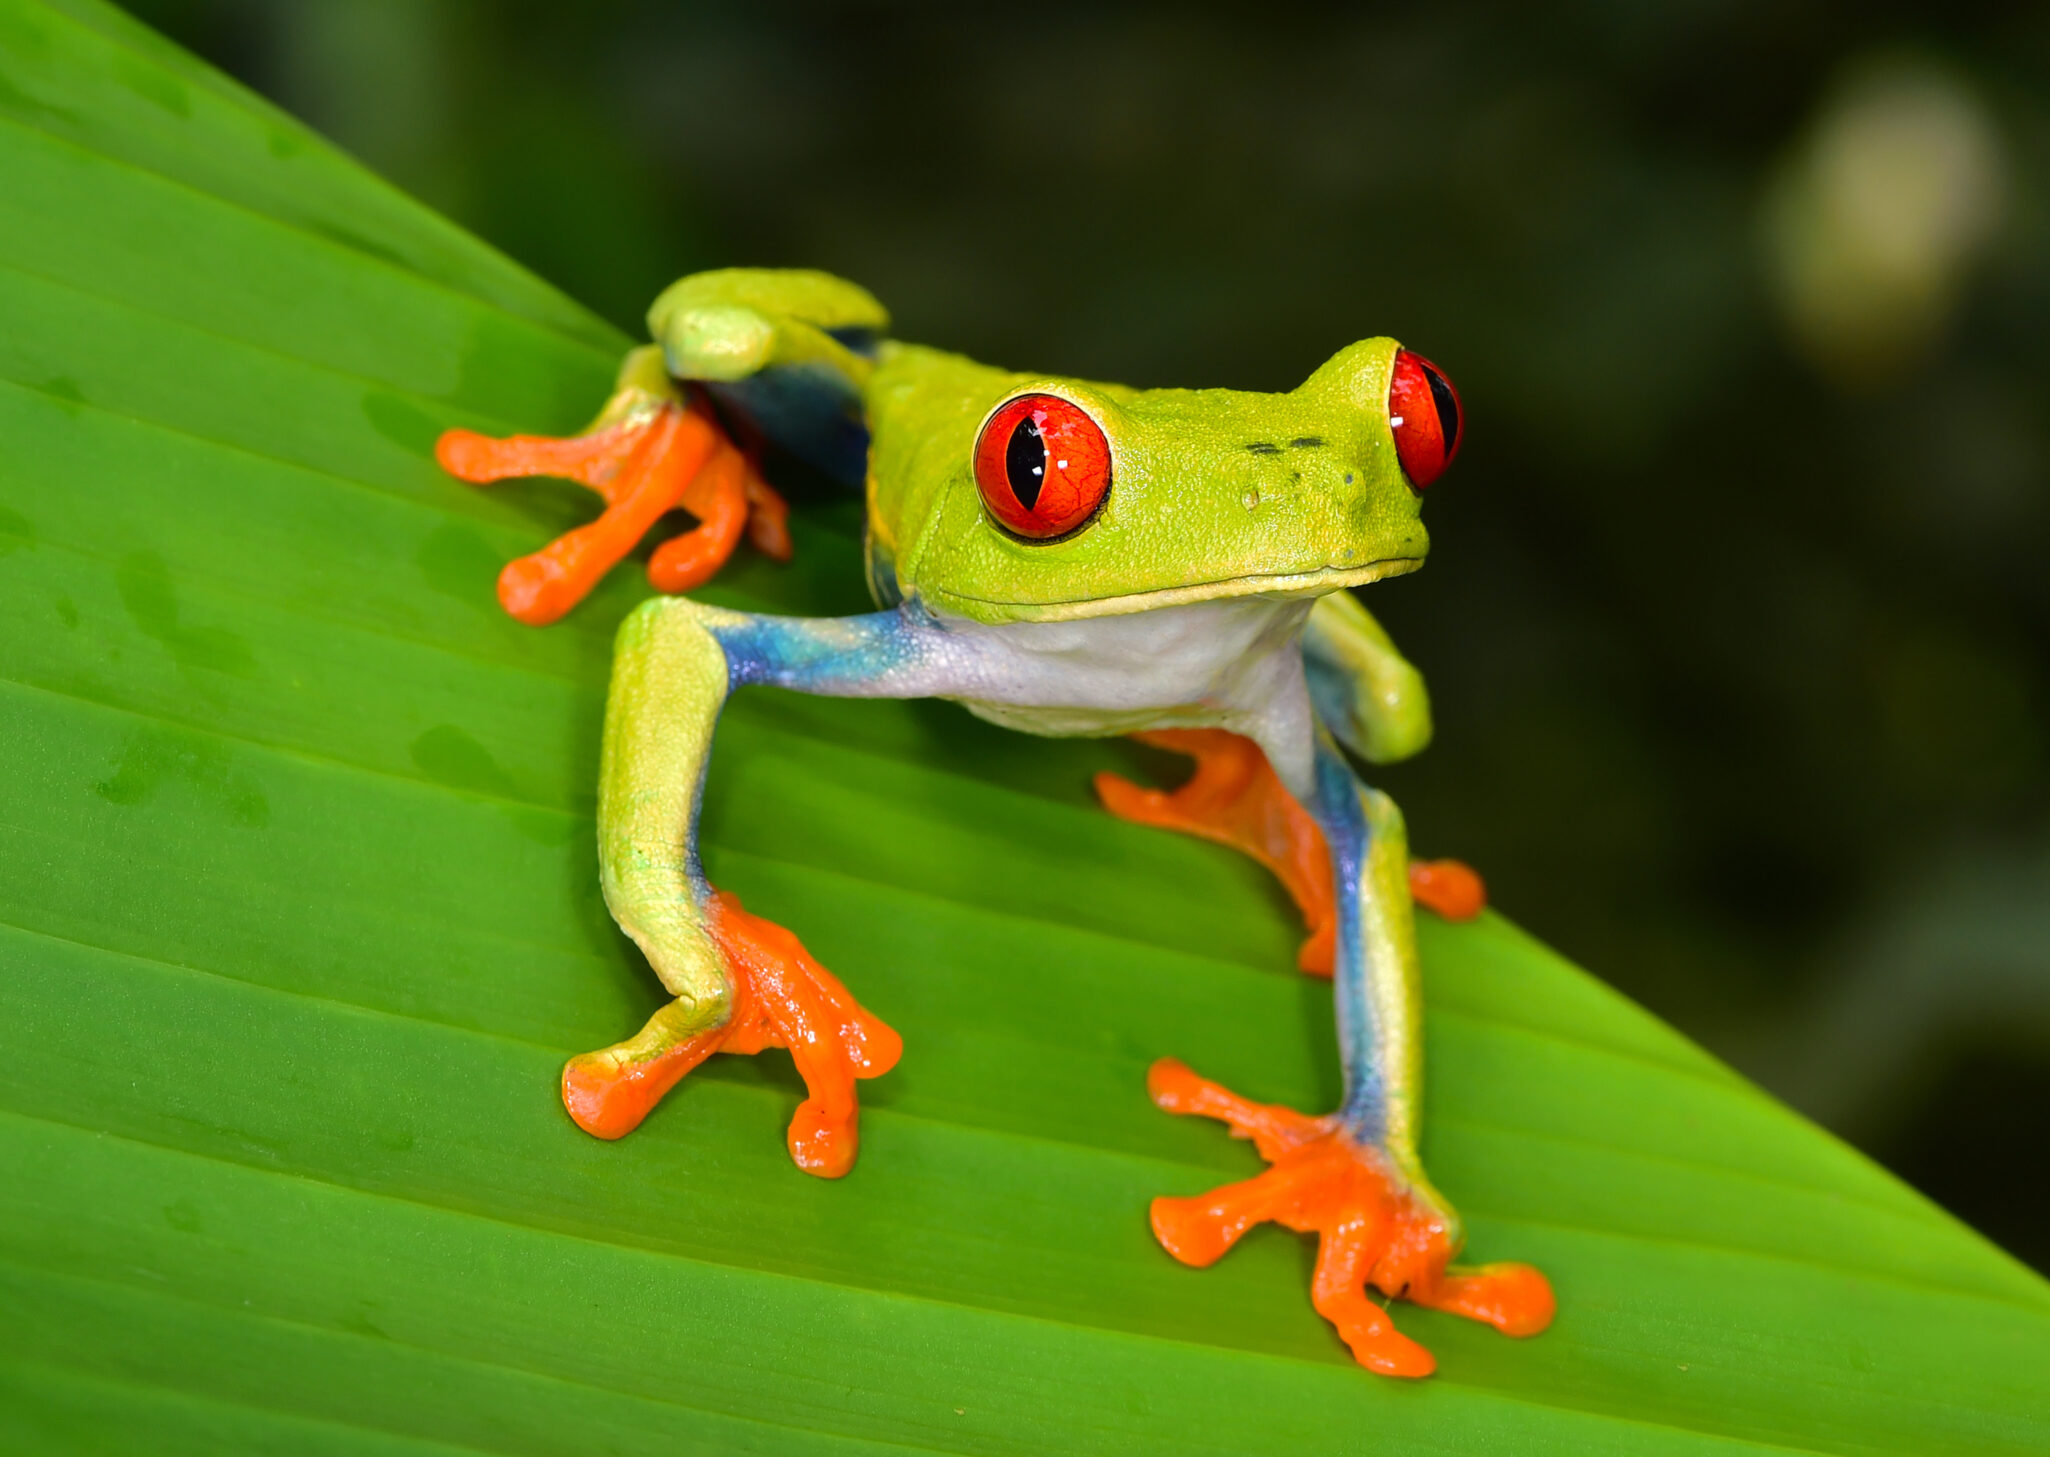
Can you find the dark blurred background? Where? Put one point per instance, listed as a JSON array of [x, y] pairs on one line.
[[1739, 618]]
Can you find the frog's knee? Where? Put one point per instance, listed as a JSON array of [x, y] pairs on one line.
[[718, 342], [819, 299], [732, 324]]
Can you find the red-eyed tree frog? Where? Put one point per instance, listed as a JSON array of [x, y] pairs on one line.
[[1063, 558]]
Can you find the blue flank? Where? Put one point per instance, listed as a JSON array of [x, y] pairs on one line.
[[810, 410]]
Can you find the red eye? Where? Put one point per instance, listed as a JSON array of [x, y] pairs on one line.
[[1043, 466], [1423, 411]]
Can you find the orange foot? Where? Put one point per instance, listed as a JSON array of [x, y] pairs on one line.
[[658, 457], [781, 998], [1373, 1227], [1236, 799]]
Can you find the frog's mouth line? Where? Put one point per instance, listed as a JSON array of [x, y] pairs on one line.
[[1315, 582]]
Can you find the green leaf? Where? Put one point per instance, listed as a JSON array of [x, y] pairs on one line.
[[299, 918]]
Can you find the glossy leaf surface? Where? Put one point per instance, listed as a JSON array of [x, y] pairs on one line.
[[299, 918]]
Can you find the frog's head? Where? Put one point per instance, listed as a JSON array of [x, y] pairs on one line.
[[1044, 499]]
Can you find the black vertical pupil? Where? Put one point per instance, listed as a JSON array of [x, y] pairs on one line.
[[1025, 462], [1448, 409]]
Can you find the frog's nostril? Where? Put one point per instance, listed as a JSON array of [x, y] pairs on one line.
[[1424, 415]]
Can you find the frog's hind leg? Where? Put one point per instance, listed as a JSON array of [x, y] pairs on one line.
[[648, 453], [1236, 799]]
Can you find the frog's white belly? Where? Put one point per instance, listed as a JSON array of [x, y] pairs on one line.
[[1234, 664]]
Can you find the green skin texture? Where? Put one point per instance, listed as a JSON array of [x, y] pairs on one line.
[[1215, 494]]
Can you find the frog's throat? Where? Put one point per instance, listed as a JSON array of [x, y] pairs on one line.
[[1314, 583]]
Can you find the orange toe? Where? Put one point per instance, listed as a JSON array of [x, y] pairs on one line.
[[1452, 888], [608, 1093], [768, 517], [592, 459], [786, 999], [1236, 799], [1338, 1288], [1515, 1299], [718, 498]]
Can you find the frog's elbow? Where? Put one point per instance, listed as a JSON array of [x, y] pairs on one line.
[[1397, 725], [1366, 692]]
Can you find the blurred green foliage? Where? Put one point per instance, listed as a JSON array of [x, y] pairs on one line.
[[1739, 615]]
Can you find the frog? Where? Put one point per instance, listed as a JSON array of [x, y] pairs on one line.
[[1065, 558]]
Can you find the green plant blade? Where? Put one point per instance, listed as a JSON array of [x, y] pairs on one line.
[[299, 918]]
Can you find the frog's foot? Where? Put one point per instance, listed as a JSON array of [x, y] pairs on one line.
[[1236, 799], [1375, 1227], [781, 997], [646, 457]]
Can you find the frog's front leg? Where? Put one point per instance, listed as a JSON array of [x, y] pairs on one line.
[[740, 983], [1353, 1176]]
